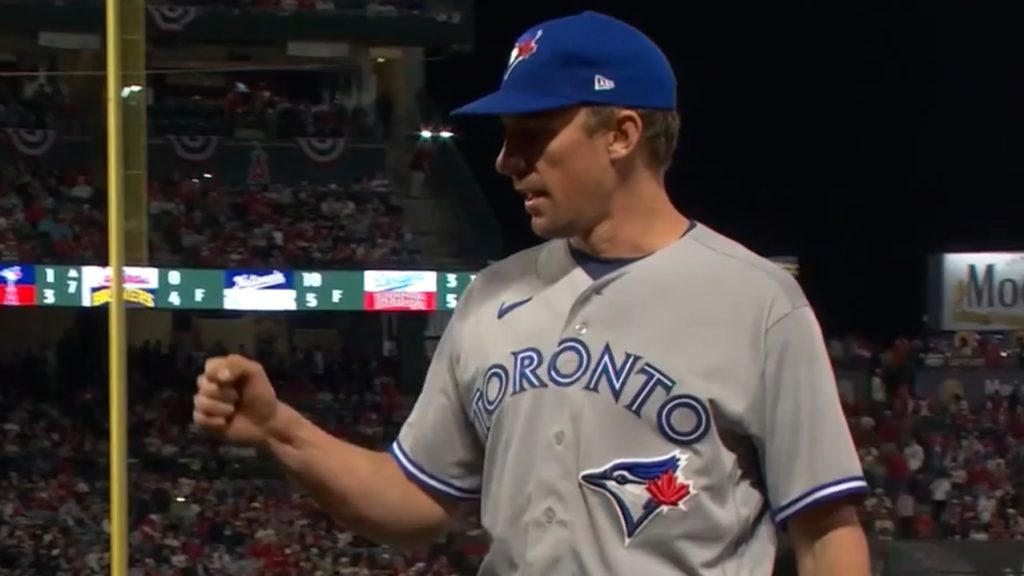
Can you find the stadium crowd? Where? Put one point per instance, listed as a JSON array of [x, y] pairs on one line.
[[255, 106], [940, 466], [939, 469], [260, 111], [57, 215], [52, 214], [60, 218], [197, 508], [46, 216], [196, 223]]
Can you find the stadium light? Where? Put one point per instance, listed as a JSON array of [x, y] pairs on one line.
[[130, 89], [428, 134]]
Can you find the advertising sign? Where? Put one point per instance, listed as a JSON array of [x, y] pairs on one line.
[[259, 290], [140, 286], [981, 291], [398, 290], [19, 285], [972, 384]]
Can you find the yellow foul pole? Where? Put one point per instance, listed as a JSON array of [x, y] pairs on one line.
[[133, 121], [116, 312]]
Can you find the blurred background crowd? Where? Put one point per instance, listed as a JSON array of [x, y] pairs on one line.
[[278, 159], [57, 214], [941, 465], [197, 507]]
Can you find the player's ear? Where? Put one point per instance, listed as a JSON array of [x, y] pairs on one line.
[[626, 131]]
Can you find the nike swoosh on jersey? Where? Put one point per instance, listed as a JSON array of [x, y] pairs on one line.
[[504, 309]]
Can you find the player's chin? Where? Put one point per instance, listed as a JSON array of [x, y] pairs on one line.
[[549, 229]]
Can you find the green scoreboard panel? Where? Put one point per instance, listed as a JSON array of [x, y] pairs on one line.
[[451, 285], [329, 290], [58, 285], [190, 289], [233, 289]]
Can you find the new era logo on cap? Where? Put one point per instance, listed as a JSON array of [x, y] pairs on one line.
[[602, 83]]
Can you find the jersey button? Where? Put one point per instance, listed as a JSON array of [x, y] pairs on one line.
[[559, 438], [549, 515], [581, 328]]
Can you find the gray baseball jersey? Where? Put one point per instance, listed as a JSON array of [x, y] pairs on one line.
[[659, 418]]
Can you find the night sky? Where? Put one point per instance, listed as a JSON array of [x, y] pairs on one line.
[[857, 136]]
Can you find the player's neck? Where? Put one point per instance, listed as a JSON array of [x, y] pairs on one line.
[[642, 222]]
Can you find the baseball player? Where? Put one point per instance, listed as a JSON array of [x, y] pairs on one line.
[[638, 395]]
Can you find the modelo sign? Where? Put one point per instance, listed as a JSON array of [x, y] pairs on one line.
[[981, 291]]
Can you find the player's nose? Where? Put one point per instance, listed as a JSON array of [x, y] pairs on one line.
[[509, 164]]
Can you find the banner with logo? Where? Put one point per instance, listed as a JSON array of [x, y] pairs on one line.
[[19, 285], [973, 384], [260, 290], [395, 290], [139, 283], [981, 291]]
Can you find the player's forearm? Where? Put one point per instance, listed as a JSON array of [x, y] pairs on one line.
[[363, 489], [841, 552], [829, 541]]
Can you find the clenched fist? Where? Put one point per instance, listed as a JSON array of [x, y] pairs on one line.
[[234, 400]]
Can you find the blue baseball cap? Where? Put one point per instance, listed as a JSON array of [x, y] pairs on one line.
[[587, 58]]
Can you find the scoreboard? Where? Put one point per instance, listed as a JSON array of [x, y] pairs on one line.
[[271, 289]]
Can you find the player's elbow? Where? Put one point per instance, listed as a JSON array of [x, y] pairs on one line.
[[415, 532], [414, 540], [397, 512], [363, 490]]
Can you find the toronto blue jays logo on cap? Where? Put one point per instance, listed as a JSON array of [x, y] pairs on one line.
[[524, 48], [642, 489]]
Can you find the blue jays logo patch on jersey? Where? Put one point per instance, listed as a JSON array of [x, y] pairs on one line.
[[642, 489]]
